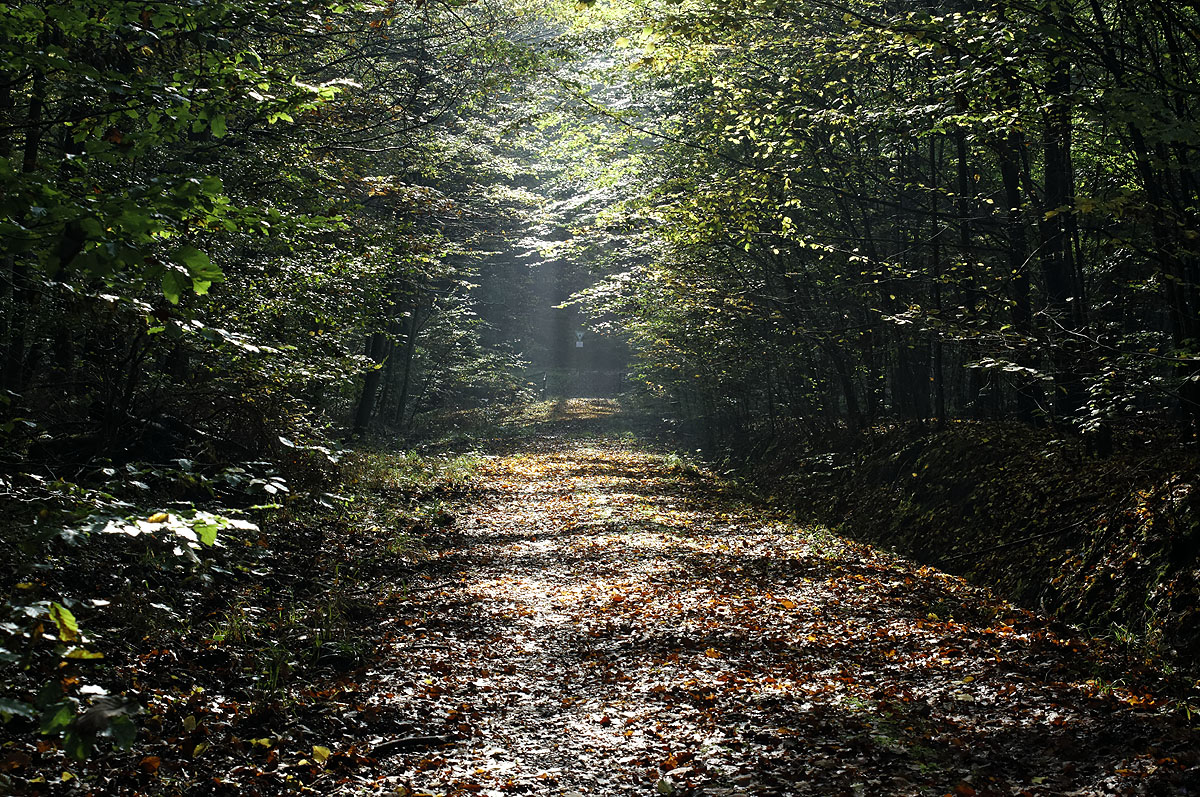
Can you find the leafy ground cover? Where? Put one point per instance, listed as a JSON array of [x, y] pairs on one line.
[[577, 613], [613, 622], [150, 656], [1108, 540]]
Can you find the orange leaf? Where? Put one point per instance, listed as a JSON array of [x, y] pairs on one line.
[[14, 759]]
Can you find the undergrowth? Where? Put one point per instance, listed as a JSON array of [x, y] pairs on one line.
[[118, 614], [1109, 543]]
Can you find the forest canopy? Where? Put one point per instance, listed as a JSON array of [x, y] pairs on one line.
[[855, 212], [819, 212]]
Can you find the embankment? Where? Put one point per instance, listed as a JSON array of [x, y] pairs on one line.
[[1112, 543]]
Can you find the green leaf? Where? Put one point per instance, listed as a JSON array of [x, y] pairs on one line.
[[123, 731], [91, 228], [218, 126], [78, 745], [57, 717], [173, 285], [50, 693], [191, 258], [68, 628], [135, 220], [83, 654], [207, 532], [211, 186], [197, 264], [15, 708]]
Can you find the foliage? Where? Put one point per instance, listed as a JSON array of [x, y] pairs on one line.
[[868, 212], [207, 212], [173, 627], [232, 232]]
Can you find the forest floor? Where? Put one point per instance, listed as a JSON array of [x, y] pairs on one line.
[[611, 620], [589, 614]]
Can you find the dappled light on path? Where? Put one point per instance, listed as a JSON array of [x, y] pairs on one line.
[[610, 621]]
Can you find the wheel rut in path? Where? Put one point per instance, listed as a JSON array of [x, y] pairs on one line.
[[607, 622]]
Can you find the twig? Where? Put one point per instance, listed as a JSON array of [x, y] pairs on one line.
[[1013, 543]]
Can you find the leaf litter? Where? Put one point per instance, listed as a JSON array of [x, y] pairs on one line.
[[593, 616], [607, 624]]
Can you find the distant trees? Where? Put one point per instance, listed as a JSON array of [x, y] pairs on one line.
[[873, 211]]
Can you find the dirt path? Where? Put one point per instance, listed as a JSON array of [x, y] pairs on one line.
[[610, 624]]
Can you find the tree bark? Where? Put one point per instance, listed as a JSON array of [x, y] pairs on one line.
[[19, 276], [1056, 251], [376, 350]]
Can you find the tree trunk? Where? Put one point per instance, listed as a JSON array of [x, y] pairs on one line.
[[1017, 254], [19, 276], [410, 349], [1056, 250], [376, 350], [935, 268]]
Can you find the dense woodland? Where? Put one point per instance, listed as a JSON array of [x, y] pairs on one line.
[[227, 222], [861, 213], [244, 242]]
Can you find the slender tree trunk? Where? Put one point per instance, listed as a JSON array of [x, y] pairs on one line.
[[410, 350], [1017, 254], [849, 392], [7, 262], [935, 268], [19, 276], [1056, 250], [965, 191], [376, 351], [388, 380]]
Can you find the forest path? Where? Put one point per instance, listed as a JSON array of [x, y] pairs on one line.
[[611, 622]]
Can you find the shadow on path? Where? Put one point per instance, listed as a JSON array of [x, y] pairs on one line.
[[604, 626]]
